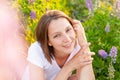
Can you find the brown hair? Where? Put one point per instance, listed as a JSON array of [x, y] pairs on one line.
[[42, 30]]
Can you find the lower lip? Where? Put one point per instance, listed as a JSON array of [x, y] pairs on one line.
[[69, 46]]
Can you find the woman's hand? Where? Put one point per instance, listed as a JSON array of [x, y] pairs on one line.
[[86, 70], [73, 77], [81, 58], [80, 33]]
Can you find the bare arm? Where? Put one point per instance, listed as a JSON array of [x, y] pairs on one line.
[[36, 73], [86, 73], [78, 61]]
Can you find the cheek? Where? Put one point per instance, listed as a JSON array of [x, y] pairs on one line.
[[73, 35], [54, 42]]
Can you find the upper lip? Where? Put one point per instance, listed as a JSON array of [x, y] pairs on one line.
[[68, 44]]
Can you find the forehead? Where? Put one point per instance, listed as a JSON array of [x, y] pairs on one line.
[[58, 23]]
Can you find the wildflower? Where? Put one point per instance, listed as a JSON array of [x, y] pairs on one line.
[[102, 4], [97, 4], [32, 15], [89, 5], [102, 53], [107, 28], [111, 71], [113, 53], [82, 20], [110, 8]]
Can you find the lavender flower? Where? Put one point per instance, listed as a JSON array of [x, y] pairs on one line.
[[89, 5], [102, 53], [32, 15], [107, 28], [113, 54]]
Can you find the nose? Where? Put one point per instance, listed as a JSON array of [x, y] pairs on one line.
[[66, 38]]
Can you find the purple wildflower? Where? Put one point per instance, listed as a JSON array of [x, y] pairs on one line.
[[107, 28], [102, 53], [32, 15], [89, 5], [113, 54], [82, 20]]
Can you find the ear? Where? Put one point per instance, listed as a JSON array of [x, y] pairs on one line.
[[49, 43]]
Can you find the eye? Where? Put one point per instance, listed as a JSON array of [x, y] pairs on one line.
[[57, 35], [68, 29]]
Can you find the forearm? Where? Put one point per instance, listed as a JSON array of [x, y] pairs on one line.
[[86, 73], [82, 40], [64, 73]]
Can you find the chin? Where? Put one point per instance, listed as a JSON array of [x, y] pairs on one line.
[[69, 51]]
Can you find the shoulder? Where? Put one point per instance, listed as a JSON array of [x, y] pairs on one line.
[[35, 49], [36, 55], [35, 46]]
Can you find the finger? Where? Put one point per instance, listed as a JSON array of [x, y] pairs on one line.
[[87, 63], [78, 27], [84, 63], [75, 21], [88, 55], [91, 53], [81, 53], [76, 24], [85, 46], [88, 59]]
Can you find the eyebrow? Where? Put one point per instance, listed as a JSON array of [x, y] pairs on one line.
[[59, 32]]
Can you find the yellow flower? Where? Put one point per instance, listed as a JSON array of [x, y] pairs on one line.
[[110, 8], [102, 4], [32, 40]]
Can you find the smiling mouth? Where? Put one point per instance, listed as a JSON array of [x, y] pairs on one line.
[[68, 45]]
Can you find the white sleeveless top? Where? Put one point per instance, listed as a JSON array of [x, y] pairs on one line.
[[37, 57]]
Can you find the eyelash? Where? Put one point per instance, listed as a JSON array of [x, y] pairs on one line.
[[69, 29], [56, 35]]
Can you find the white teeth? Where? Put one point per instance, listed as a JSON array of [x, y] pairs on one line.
[[68, 45]]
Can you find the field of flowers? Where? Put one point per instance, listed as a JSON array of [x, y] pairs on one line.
[[101, 20]]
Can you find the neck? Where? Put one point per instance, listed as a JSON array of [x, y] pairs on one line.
[[60, 59]]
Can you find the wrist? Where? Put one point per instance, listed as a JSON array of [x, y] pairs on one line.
[[64, 73]]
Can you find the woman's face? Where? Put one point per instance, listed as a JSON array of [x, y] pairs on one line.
[[61, 36]]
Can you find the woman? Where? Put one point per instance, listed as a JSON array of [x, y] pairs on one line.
[[59, 49]]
